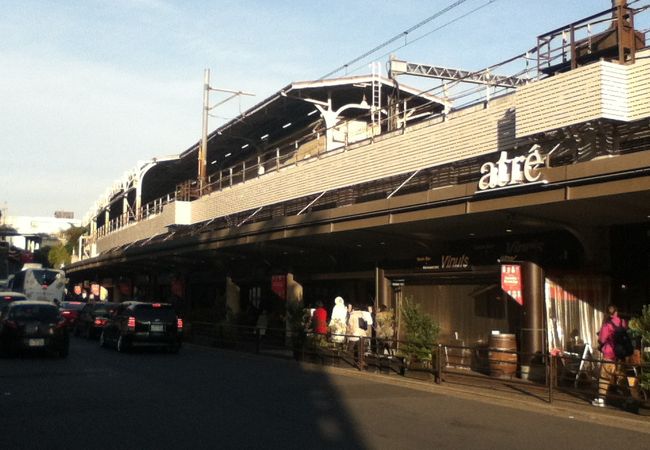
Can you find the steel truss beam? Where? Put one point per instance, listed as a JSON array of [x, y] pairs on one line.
[[444, 73]]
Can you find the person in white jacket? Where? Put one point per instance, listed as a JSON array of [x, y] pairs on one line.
[[359, 326], [337, 325]]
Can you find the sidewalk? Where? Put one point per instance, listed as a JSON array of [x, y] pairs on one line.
[[503, 393], [574, 405]]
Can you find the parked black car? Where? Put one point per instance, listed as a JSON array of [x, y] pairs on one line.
[[33, 325], [139, 324], [92, 319]]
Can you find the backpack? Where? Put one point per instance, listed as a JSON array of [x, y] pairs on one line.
[[363, 324], [623, 346]]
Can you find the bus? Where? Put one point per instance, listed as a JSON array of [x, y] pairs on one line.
[[40, 284]]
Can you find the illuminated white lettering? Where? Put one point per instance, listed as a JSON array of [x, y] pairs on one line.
[[508, 172]]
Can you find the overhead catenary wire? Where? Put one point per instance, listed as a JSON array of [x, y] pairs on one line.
[[395, 38], [434, 89], [409, 30], [406, 32], [471, 91], [444, 25], [424, 22]]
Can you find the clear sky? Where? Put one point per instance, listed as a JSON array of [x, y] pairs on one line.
[[90, 87]]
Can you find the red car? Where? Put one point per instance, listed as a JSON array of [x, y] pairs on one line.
[[92, 319], [70, 312]]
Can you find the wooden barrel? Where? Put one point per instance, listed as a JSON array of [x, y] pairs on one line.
[[503, 361]]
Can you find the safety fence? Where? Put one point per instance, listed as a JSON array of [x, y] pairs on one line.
[[547, 377]]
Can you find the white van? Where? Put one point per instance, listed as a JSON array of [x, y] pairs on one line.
[[40, 284]]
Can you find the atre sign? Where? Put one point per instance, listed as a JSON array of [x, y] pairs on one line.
[[512, 171]]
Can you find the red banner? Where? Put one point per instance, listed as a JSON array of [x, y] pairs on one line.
[[511, 282], [279, 285]]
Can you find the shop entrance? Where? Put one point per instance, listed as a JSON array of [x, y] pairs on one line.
[[468, 308]]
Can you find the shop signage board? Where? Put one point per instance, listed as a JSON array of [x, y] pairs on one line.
[[279, 285], [454, 262], [511, 281], [447, 262], [513, 171]]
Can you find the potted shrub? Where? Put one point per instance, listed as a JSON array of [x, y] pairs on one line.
[[640, 330], [421, 334]]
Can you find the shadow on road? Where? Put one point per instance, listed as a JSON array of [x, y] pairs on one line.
[[200, 398]]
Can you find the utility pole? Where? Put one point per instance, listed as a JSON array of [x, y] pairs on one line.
[[203, 148]]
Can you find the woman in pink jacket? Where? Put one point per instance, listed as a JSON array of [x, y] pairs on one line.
[[609, 368]]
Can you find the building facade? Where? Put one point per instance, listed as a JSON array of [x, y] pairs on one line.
[[522, 212]]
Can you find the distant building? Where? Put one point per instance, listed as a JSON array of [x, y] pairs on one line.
[[63, 214], [32, 230]]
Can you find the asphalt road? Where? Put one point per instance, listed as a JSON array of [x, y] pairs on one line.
[[206, 398]]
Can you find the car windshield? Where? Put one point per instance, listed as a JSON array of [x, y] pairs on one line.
[[151, 312], [45, 277], [44, 313]]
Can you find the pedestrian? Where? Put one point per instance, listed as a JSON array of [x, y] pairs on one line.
[[338, 321], [372, 332], [385, 326], [262, 323], [351, 325], [608, 342], [357, 331], [319, 319]]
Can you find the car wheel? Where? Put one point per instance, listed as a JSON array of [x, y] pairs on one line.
[[102, 340], [76, 331], [121, 345], [63, 353]]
